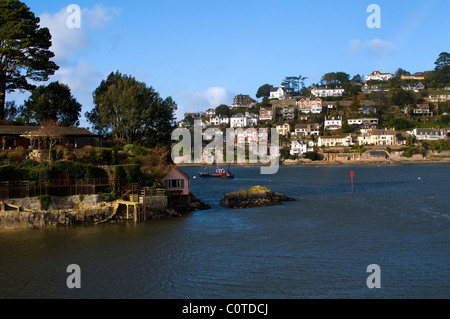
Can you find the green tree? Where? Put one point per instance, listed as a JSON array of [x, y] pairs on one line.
[[223, 109], [128, 109], [264, 91], [402, 98], [52, 102], [442, 70], [24, 50]]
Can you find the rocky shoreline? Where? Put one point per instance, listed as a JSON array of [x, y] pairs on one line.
[[66, 211], [256, 196]]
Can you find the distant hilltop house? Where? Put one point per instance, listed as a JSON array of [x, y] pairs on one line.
[[416, 76], [219, 120], [429, 134], [243, 120], [279, 93], [333, 123], [36, 137], [416, 88], [373, 88], [378, 76], [283, 129], [327, 92], [310, 105], [266, 114], [363, 121], [195, 116], [288, 113], [422, 110], [210, 113], [243, 101], [367, 109], [438, 97], [307, 129]]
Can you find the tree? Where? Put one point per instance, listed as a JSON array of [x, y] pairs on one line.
[[442, 70], [402, 98], [24, 50], [128, 109], [52, 102], [264, 91], [223, 110], [443, 61]]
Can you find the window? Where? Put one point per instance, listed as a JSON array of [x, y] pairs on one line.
[[174, 183]]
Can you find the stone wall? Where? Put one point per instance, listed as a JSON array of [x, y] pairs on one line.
[[57, 203], [10, 220]]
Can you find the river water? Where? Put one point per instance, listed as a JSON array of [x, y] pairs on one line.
[[320, 246]]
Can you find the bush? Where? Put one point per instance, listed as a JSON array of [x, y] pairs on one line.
[[45, 201], [134, 150]]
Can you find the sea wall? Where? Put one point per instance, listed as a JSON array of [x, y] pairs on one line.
[[10, 220]]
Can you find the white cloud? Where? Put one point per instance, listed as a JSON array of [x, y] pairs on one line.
[[201, 101], [99, 16], [373, 48], [71, 42]]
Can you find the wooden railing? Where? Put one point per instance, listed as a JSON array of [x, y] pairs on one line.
[[24, 189]]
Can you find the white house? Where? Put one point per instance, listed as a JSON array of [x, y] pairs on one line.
[[278, 93], [243, 120], [219, 120], [326, 92], [333, 123], [210, 113], [335, 141], [416, 88], [429, 134], [378, 76], [364, 121], [378, 137], [238, 120], [301, 147]]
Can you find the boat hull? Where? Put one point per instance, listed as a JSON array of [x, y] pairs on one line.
[[206, 176]]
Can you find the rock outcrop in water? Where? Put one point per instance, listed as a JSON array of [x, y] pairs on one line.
[[256, 196]]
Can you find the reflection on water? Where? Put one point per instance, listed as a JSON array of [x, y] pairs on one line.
[[316, 247]]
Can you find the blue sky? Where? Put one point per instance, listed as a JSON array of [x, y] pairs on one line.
[[202, 53]]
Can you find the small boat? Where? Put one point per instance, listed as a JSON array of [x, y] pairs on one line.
[[219, 174]]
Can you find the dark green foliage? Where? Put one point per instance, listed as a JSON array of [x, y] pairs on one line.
[[130, 110], [24, 50], [134, 150], [45, 201], [52, 102], [313, 156]]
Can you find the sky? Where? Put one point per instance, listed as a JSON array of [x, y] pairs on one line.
[[203, 53]]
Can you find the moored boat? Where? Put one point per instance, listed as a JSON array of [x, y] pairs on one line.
[[219, 174]]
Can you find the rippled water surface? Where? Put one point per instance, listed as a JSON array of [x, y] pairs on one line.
[[317, 247]]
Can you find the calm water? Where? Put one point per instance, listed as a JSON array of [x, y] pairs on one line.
[[318, 247]]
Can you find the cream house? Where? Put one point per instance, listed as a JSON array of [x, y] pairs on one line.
[[335, 141], [378, 137]]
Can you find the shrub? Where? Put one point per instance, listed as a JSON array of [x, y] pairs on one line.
[[134, 150], [45, 201]]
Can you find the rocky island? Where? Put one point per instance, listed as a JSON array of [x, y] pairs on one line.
[[256, 196]]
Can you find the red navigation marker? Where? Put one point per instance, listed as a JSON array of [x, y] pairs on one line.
[[352, 174]]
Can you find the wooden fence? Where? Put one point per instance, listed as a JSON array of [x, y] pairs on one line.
[[64, 187]]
